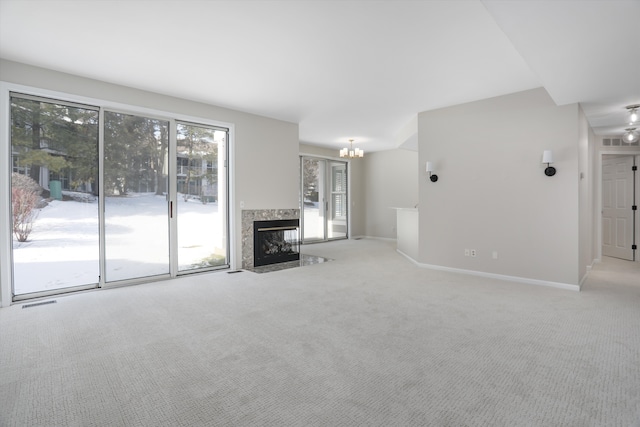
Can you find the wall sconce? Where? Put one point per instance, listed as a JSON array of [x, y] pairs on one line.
[[547, 157], [432, 176]]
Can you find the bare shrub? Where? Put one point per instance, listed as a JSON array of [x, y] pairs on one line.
[[25, 195], [25, 182]]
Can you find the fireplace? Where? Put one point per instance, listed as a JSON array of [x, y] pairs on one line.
[[276, 241]]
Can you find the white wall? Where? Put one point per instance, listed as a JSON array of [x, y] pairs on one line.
[[391, 180], [493, 195], [264, 151]]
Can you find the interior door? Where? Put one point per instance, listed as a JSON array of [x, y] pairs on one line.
[[617, 202]]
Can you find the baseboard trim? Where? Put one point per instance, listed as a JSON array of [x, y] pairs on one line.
[[588, 270], [525, 280], [385, 239]]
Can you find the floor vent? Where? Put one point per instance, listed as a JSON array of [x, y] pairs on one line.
[[39, 303], [234, 271]]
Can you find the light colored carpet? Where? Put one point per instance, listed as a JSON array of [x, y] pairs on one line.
[[366, 340]]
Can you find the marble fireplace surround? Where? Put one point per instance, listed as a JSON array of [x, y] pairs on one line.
[[251, 215]]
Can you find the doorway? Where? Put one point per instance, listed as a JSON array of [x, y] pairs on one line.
[[618, 206], [324, 199]]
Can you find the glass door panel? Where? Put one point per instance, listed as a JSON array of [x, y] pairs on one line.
[[337, 218], [136, 218], [324, 199], [55, 226], [313, 199], [201, 197]]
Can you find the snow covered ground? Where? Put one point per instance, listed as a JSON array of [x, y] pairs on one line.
[[314, 224], [63, 248]]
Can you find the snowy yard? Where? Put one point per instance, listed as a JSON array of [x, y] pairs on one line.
[[63, 248]]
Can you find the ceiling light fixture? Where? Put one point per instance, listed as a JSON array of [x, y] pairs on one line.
[[351, 152], [631, 135], [634, 116]]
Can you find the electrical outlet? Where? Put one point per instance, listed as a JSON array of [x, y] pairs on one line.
[[473, 252], [466, 252], [495, 254]]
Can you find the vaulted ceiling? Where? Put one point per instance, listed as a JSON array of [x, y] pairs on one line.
[[341, 69]]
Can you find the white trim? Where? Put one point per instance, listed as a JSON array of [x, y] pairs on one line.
[[232, 233], [598, 197], [327, 185], [384, 239], [6, 266], [516, 279], [102, 241], [324, 157], [350, 202]]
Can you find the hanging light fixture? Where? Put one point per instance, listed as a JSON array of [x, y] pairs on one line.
[[634, 116], [631, 135], [351, 152]]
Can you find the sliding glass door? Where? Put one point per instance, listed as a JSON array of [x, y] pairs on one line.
[[337, 215], [54, 195], [324, 199], [201, 197], [313, 200], [101, 196], [136, 214]]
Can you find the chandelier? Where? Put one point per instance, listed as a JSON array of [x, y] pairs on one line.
[[351, 152]]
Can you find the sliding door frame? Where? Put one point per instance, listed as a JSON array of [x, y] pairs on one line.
[[327, 190], [6, 263], [30, 96], [171, 175]]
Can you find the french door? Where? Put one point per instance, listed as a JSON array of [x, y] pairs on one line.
[[101, 197], [324, 199]]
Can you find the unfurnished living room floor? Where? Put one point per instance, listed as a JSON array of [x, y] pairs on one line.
[[368, 339]]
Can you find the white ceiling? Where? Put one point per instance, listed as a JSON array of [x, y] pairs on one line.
[[341, 69]]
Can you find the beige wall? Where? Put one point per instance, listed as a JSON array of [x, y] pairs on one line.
[[493, 195], [264, 151], [391, 180]]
